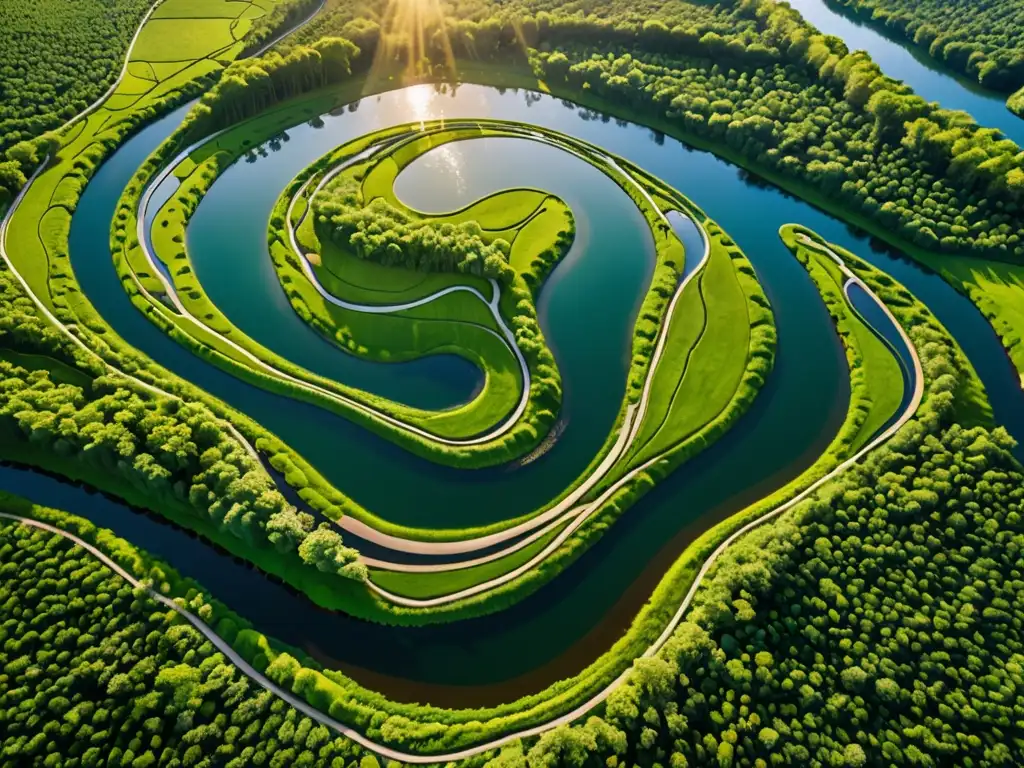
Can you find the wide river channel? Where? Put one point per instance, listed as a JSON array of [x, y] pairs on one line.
[[587, 311]]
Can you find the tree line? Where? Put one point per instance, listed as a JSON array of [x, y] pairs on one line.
[[983, 40], [57, 58], [382, 233], [932, 176], [95, 673], [176, 453]]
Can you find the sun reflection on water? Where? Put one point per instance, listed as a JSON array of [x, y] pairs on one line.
[[424, 104]]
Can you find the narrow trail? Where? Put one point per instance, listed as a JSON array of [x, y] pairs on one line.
[[598, 698], [563, 511], [507, 336], [303, 706], [539, 525]]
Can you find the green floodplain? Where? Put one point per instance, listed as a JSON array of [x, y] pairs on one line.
[[446, 410]]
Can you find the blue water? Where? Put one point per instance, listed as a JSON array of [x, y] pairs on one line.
[[693, 243], [568, 623], [929, 79], [880, 323]]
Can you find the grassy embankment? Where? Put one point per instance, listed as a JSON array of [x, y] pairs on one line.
[[997, 289], [746, 356], [451, 324], [980, 279], [875, 371], [432, 729], [458, 322]]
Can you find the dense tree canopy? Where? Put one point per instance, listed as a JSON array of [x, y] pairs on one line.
[[95, 673], [176, 452], [57, 57], [382, 233], [984, 40]]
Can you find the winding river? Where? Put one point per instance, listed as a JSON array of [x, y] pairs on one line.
[[587, 309]]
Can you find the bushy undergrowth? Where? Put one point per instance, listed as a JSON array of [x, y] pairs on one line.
[[175, 454]]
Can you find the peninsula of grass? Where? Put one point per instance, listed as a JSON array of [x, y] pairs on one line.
[[460, 322], [997, 289], [430, 729], [705, 358], [876, 376]]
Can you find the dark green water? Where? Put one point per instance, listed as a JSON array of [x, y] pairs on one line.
[[571, 621], [587, 310]]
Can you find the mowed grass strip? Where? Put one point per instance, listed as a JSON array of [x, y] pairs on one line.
[[423, 586], [997, 288], [872, 361], [387, 338], [198, 9], [182, 39], [717, 361]]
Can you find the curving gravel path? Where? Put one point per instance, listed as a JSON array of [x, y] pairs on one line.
[[569, 717], [599, 697], [563, 510], [43, 309], [538, 526]]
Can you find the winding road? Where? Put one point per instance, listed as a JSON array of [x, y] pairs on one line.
[[598, 698], [627, 434]]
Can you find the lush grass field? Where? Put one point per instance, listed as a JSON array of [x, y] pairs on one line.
[[433, 584], [40, 252], [704, 359], [455, 324], [874, 365], [170, 40], [997, 288], [876, 377]]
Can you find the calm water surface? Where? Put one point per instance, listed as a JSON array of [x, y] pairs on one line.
[[906, 62], [571, 621]]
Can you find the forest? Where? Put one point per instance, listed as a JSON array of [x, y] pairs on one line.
[[983, 40], [94, 673], [57, 58]]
